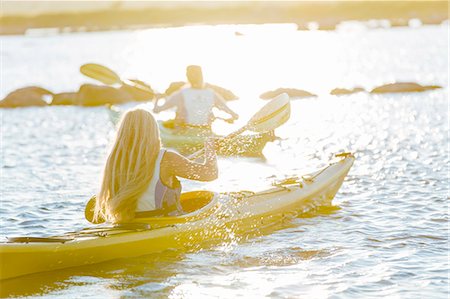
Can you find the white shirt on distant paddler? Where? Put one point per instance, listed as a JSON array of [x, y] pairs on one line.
[[198, 104]]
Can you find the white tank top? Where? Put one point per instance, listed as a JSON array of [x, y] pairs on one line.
[[198, 104], [147, 202]]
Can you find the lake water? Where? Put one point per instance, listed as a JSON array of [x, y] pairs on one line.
[[389, 235]]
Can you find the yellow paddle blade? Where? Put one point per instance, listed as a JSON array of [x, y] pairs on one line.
[[140, 85], [272, 115], [89, 211], [100, 73]]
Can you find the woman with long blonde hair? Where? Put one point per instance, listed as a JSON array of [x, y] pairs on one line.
[[140, 175]]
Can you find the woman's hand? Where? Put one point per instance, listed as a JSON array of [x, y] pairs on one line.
[[230, 120]]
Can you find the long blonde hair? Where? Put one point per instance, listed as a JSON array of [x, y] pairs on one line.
[[129, 167]]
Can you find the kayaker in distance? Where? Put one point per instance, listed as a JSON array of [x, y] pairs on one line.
[[195, 103], [141, 176]]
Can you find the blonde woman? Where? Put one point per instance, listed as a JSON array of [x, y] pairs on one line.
[[141, 176]]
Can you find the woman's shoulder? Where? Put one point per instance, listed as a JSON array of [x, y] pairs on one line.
[[169, 156], [171, 162]]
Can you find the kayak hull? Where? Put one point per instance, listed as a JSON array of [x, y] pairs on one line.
[[221, 217], [190, 140]]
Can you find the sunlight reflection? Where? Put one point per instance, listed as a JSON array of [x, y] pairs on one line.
[[231, 60]]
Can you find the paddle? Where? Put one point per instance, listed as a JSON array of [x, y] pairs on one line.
[[269, 117], [89, 211], [109, 77]]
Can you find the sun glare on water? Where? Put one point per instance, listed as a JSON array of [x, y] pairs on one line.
[[246, 58]]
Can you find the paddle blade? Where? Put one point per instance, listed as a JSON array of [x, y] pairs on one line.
[[272, 115], [89, 211], [226, 94], [141, 86], [100, 73]]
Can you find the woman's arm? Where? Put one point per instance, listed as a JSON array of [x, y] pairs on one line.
[[177, 165], [171, 101], [220, 103]]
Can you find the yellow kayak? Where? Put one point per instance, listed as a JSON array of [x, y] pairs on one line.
[[189, 140], [210, 216]]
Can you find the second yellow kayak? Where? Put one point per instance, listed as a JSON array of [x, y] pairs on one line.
[[190, 140]]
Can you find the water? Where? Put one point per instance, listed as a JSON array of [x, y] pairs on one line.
[[388, 235]]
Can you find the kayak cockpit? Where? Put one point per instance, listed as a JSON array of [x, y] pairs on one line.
[[196, 205], [195, 200]]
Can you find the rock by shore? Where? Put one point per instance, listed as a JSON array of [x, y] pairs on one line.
[[65, 98], [292, 92], [87, 95], [25, 97], [344, 91], [396, 87], [403, 87], [94, 95], [98, 95]]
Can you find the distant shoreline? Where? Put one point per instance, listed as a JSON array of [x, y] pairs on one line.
[[323, 16]]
